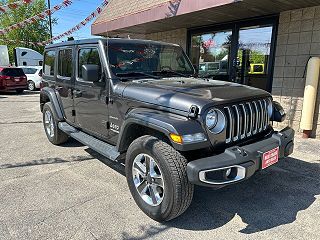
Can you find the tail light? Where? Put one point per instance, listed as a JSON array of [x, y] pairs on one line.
[[3, 80]]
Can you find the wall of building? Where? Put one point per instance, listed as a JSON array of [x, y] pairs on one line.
[[178, 36], [298, 39]]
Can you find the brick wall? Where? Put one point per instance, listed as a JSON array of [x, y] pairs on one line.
[[298, 39], [178, 36], [120, 8]]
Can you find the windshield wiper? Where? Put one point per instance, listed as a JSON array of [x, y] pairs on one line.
[[171, 71], [137, 73]]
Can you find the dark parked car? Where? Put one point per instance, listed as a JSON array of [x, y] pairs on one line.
[[12, 79], [140, 98]]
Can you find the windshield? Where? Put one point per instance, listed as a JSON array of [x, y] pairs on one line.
[[125, 58]]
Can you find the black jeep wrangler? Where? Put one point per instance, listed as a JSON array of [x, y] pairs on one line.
[[142, 98]]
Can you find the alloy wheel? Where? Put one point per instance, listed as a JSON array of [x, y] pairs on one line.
[[148, 179], [49, 124]]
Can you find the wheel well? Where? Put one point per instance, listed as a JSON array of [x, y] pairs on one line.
[[43, 100], [135, 131]]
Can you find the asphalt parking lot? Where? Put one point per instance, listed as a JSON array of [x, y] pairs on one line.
[[71, 192]]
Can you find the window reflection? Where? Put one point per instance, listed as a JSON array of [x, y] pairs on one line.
[[210, 52], [253, 56]]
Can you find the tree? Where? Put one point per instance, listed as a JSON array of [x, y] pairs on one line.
[[36, 32]]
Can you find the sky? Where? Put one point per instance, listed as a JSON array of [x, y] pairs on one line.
[[72, 15]]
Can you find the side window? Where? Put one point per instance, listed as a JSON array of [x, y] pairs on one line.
[[49, 58], [65, 63], [88, 56]]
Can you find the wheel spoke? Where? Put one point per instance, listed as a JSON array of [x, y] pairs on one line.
[[147, 162], [142, 187], [140, 168], [151, 168], [158, 181], [153, 194]]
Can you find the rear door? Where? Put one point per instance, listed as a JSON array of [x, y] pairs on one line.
[[90, 98], [65, 80]]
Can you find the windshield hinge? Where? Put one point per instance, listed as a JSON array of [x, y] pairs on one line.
[[193, 111]]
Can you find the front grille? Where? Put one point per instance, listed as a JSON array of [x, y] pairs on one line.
[[246, 119]]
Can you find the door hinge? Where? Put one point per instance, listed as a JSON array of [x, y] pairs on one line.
[[73, 112]]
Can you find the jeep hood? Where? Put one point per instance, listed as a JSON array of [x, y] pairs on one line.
[[181, 93]]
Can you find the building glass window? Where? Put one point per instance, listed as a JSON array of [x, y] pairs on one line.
[[240, 52], [253, 56], [210, 53]]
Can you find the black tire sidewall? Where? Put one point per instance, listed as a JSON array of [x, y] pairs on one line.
[[163, 210]]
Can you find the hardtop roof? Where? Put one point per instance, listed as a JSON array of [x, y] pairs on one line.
[[104, 40]]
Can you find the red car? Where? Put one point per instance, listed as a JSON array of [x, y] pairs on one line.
[[12, 79]]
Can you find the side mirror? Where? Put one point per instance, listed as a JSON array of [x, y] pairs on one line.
[[91, 73]]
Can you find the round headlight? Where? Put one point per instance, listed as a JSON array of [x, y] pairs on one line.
[[211, 119]]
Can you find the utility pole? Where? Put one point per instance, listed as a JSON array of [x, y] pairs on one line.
[[50, 21]]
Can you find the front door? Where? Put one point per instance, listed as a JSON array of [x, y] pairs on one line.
[[65, 81], [90, 98], [239, 52]]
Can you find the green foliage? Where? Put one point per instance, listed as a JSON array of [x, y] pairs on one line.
[[35, 32]]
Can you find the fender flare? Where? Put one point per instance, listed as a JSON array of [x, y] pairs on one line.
[[52, 95], [164, 123]]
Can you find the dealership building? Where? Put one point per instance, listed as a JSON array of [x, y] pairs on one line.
[[265, 44]]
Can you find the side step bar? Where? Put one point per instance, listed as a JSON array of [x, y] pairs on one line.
[[99, 146]]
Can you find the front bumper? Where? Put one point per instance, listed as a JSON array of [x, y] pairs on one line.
[[238, 163]]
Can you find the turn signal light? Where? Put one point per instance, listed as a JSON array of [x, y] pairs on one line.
[[176, 138]]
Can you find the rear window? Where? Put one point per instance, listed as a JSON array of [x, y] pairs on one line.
[[49, 58], [65, 63], [29, 70], [12, 72]]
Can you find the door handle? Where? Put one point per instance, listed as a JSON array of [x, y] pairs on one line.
[[77, 93]]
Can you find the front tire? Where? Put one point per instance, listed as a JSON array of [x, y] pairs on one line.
[[157, 178], [31, 86], [50, 124]]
